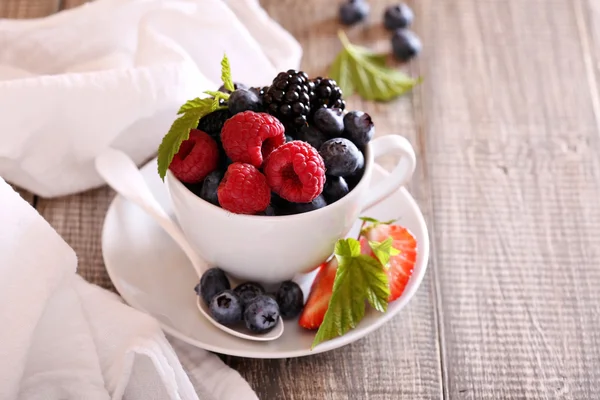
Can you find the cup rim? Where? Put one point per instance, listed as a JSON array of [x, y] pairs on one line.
[[171, 179]]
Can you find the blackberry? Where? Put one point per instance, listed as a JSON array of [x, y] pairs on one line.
[[325, 93], [288, 99], [213, 123]]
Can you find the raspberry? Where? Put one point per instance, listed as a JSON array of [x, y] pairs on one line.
[[197, 157], [296, 172], [249, 137], [244, 190]]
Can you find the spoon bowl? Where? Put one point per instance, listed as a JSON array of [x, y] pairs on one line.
[[121, 174]]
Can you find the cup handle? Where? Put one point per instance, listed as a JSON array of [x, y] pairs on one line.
[[400, 175]]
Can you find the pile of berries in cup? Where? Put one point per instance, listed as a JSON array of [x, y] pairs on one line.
[[284, 149]]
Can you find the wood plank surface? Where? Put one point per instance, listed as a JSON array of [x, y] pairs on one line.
[[28, 8], [512, 153], [506, 129]]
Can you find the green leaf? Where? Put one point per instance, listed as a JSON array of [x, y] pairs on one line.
[[359, 69], [359, 278], [226, 74], [384, 250], [194, 104], [212, 93]]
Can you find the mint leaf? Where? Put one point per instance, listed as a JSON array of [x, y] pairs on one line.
[[384, 250], [194, 104], [374, 223], [226, 74], [190, 114], [213, 93], [359, 278], [359, 69]]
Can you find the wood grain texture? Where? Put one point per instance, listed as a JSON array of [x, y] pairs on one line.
[[512, 153], [78, 219], [28, 9]]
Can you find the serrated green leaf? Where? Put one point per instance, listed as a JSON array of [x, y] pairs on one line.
[[359, 278], [179, 131], [339, 71], [213, 93], [369, 219], [194, 104], [364, 71], [384, 250], [226, 74]]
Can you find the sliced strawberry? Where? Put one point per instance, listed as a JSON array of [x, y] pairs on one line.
[[320, 294], [401, 266]]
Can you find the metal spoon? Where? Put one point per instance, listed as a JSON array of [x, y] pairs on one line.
[[121, 173]]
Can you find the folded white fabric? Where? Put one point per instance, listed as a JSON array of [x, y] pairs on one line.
[[113, 73], [63, 338]]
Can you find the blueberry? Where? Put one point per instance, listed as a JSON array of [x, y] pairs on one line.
[[261, 314], [335, 188], [405, 44], [341, 157], [212, 282], [312, 136], [353, 179], [290, 299], [208, 191], [226, 308], [353, 11], [329, 121], [247, 291], [243, 100], [359, 128], [288, 138], [290, 208], [236, 85], [269, 211], [398, 16]]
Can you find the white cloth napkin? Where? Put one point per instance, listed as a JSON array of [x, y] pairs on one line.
[[113, 73], [63, 338]]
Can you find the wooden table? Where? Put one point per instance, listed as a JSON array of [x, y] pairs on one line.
[[506, 127]]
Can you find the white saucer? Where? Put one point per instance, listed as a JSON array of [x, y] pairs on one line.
[[153, 275]]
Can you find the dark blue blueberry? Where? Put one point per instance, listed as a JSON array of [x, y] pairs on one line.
[[290, 299], [288, 138], [226, 308], [243, 100], [213, 123], [299, 208], [398, 16], [341, 157], [261, 314], [212, 282], [247, 291], [330, 121], [335, 188], [312, 136], [353, 179], [405, 44], [236, 85], [210, 185], [359, 128], [353, 11]]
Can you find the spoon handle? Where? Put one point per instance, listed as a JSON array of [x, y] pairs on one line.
[[121, 173]]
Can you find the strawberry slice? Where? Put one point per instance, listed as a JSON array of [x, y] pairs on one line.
[[320, 294], [401, 266]]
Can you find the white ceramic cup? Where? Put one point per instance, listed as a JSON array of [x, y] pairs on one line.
[[274, 249]]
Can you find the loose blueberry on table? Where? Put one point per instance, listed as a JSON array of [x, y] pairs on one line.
[[277, 150]]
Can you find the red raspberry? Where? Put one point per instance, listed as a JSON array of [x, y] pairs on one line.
[[249, 137], [197, 157], [296, 172], [244, 190]]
